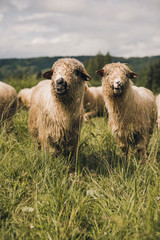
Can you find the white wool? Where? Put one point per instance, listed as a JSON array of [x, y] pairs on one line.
[[24, 97], [8, 102], [93, 102], [131, 109], [56, 120], [158, 110]]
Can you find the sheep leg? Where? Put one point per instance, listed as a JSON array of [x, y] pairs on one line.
[[142, 153], [89, 115], [124, 148], [141, 148]]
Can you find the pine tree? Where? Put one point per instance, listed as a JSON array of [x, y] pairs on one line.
[[96, 63], [108, 58], [150, 77], [39, 74]]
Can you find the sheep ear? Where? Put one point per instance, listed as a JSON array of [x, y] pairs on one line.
[[100, 72], [48, 74], [85, 76], [132, 75]]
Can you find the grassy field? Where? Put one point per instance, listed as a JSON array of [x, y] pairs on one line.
[[104, 198]]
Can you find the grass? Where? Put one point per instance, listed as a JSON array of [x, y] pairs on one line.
[[105, 198]]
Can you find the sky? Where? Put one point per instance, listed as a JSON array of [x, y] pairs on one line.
[[37, 28]]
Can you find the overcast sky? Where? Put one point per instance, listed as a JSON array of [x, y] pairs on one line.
[[34, 28]]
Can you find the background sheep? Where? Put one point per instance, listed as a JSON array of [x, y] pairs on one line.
[[56, 112], [24, 97], [8, 103], [158, 110], [131, 109], [93, 102]]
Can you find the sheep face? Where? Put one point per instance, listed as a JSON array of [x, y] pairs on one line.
[[67, 75], [116, 78]]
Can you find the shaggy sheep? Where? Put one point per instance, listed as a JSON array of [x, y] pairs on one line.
[[56, 111], [8, 103], [131, 109], [24, 97], [158, 110], [93, 102]]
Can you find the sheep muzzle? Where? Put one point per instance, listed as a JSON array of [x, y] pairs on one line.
[[117, 87], [60, 86]]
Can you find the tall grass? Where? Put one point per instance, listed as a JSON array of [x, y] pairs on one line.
[[104, 198]]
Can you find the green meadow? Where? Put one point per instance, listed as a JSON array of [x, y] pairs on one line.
[[103, 198]]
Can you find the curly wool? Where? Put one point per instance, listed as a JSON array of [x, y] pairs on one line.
[[132, 114], [158, 110], [8, 102], [56, 120], [93, 102], [24, 97]]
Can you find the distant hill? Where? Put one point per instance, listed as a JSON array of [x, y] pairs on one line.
[[13, 67]]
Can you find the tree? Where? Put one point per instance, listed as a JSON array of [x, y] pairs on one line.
[[108, 58], [150, 77], [96, 63], [39, 74]]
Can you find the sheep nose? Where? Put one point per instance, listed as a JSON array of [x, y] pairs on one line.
[[60, 86], [117, 83], [60, 81]]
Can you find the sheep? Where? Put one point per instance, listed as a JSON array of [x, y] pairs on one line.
[[8, 104], [93, 102], [131, 109], [158, 110], [24, 97], [56, 111]]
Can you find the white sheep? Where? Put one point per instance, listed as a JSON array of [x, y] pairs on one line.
[[24, 97], [8, 103], [56, 111], [131, 109], [93, 102], [158, 110]]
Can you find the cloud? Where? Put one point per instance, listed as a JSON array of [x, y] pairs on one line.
[[59, 6], [33, 17], [20, 5], [1, 17], [71, 27]]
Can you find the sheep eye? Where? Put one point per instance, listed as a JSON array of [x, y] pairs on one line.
[[77, 72], [106, 73], [127, 75], [83, 74]]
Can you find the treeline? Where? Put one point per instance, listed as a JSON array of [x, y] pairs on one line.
[[20, 68], [96, 63], [148, 77], [27, 72]]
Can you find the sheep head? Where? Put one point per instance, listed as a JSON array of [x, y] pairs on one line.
[[116, 78], [67, 74]]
